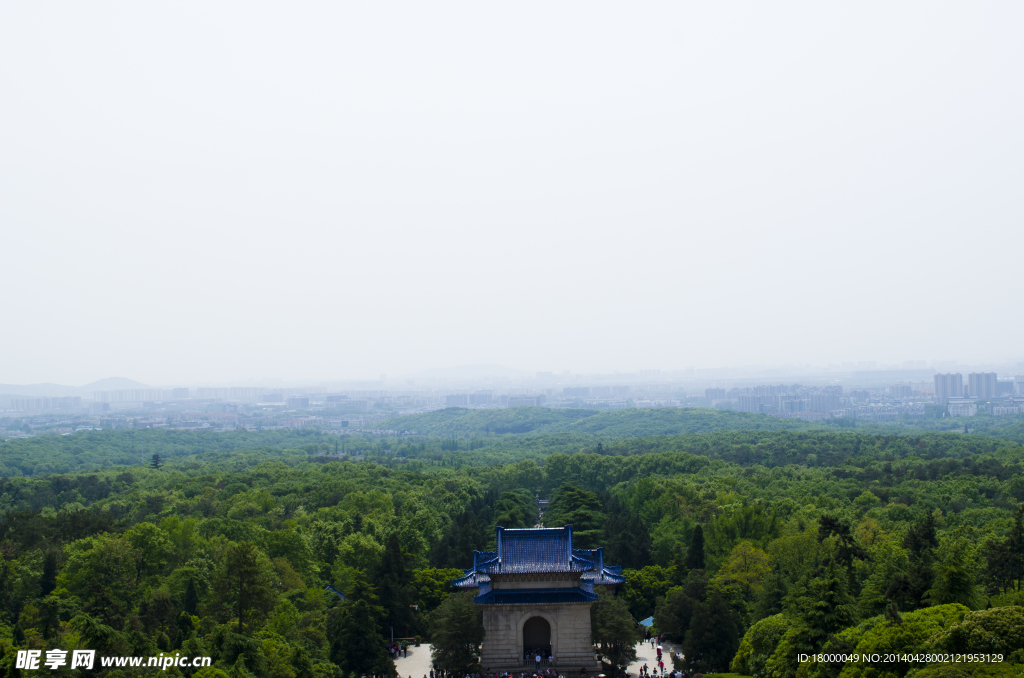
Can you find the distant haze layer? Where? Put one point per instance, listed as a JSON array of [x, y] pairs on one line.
[[196, 192]]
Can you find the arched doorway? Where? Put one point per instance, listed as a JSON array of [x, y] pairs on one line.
[[536, 640]]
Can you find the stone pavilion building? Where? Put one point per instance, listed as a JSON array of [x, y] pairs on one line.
[[535, 593]]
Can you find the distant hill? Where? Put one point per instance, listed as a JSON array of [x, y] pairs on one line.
[[112, 383], [455, 421]]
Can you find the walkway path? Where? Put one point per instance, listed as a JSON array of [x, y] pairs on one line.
[[645, 654], [417, 664]]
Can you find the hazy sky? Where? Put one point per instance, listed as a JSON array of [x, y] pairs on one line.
[[220, 191]]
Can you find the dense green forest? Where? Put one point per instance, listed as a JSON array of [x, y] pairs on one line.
[[777, 543], [90, 450], [464, 423], [457, 437], [460, 422]]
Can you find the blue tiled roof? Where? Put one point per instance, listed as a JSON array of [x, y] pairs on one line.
[[535, 596], [471, 580], [603, 575], [535, 550], [538, 550]]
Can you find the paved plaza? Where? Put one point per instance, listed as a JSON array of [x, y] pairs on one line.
[[417, 664]]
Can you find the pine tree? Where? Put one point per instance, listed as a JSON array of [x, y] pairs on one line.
[[191, 601], [1015, 549], [615, 630], [573, 505], [627, 541], [359, 647], [393, 583], [920, 542], [713, 636], [515, 510], [954, 573], [823, 605], [456, 634], [48, 580], [6, 592], [695, 554], [155, 462], [241, 584]]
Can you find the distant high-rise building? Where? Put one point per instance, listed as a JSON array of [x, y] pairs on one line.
[[749, 403], [298, 402], [1019, 384], [948, 386], [981, 384], [900, 391], [824, 402], [179, 393], [713, 394], [526, 401], [458, 400]]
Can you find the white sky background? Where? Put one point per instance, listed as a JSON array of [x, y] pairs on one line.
[[215, 191]]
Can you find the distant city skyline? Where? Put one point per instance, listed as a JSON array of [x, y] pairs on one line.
[[495, 373]]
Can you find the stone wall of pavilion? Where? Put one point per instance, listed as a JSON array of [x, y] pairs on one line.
[[570, 635]]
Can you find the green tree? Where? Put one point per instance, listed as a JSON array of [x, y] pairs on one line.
[[627, 540], [614, 631], [102, 571], [48, 580], [572, 505], [885, 576], [243, 583], [643, 588], [515, 510], [695, 554], [191, 601], [676, 610], [898, 641], [433, 585], [713, 636], [912, 589], [744, 570], [394, 587], [359, 647], [818, 606], [999, 630], [456, 633], [758, 645], [155, 462], [955, 568]]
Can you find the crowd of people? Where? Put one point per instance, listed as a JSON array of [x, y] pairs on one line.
[[543, 661], [544, 666], [540, 656]]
